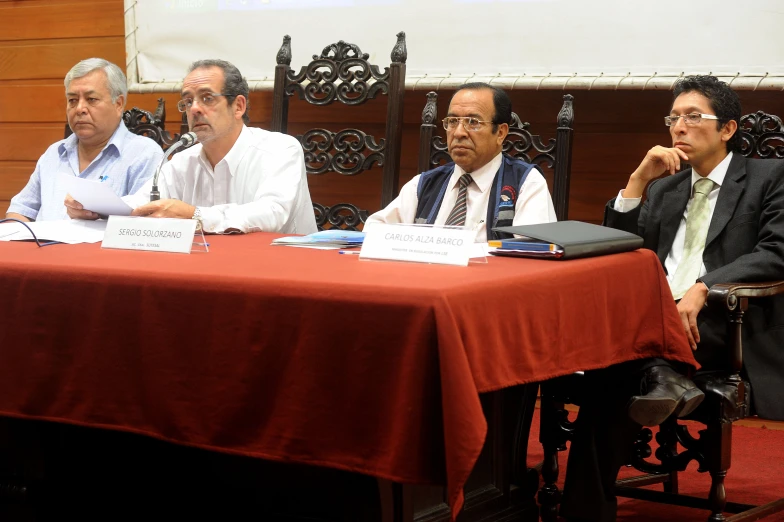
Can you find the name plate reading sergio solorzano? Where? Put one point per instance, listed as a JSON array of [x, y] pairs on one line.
[[144, 233], [423, 244]]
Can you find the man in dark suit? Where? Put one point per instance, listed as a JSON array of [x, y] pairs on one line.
[[720, 221]]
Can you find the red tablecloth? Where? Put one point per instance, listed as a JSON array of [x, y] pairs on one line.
[[309, 356]]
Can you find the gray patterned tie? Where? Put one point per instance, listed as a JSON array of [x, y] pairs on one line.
[[458, 215], [696, 231]]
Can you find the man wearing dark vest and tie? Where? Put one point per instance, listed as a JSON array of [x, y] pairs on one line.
[[720, 221], [482, 188]]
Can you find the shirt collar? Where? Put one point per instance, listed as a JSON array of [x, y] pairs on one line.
[[483, 176], [116, 142], [235, 154], [717, 174]]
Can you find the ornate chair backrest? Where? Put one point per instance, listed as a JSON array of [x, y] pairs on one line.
[[762, 135], [342, 73], [555, 155]]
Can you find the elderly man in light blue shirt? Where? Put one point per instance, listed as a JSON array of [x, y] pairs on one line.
[[100, 148]]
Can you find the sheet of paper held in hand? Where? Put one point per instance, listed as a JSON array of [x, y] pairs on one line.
[[95, 196]]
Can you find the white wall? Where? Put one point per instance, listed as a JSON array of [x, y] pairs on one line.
[[517, 43]]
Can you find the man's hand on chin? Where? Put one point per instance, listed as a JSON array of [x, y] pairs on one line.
[[689, 307], [165, 208]]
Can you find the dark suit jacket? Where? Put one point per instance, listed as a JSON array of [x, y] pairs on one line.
[[745, 243]]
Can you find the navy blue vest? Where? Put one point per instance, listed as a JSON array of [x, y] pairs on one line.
[[503, 194]]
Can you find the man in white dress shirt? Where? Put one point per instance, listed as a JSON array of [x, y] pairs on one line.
[[237, 178], [497, 190]]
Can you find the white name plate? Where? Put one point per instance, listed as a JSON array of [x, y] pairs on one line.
[[144, 233], [418, 243]]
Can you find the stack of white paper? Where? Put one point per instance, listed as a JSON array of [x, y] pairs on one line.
[[63, 231]]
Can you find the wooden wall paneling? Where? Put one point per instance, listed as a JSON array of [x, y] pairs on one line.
[[26, 142], [14, 176], [373, 111], [25, 59], [149, 101], [39, 103], [62, 19]]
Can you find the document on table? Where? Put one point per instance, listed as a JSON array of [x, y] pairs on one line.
[[332, 239], [95, 196], [8, 228], [63, 231]]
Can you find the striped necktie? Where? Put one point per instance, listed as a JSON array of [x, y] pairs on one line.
[[458, 215], [697, 222]]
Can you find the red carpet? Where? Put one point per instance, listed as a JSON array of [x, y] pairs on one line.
[[756, 476]]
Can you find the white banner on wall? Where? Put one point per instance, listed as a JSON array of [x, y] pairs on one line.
[[535, 44]]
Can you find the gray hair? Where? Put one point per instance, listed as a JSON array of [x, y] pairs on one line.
[[115, 78], [233, 83]]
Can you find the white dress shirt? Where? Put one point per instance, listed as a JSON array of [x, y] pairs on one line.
[[676, 252], [260, 185], [533, 205]]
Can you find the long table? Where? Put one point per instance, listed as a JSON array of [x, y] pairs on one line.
[[307, 356]]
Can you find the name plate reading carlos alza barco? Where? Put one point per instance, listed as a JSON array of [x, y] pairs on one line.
[[142, 233], [418, 243]]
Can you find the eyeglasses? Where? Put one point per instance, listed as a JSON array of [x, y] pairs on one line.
[[91, 101], [689, 119], [208, 99], [469, 124]]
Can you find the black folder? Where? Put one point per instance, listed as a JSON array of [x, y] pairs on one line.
[[575, 238]]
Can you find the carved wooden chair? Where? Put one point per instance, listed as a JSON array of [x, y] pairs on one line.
[[150, 124], [555, 155], [727, 397], [342, 73]]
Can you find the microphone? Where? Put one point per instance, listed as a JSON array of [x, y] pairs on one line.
[[187, 139]]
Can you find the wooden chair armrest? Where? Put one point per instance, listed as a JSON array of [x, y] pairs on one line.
[[733, 299], [727, 295]]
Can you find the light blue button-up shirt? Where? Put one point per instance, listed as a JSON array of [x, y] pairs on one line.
[[126, 163]]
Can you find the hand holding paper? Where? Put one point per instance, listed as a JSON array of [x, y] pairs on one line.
[[76, 210], [93, 196]]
